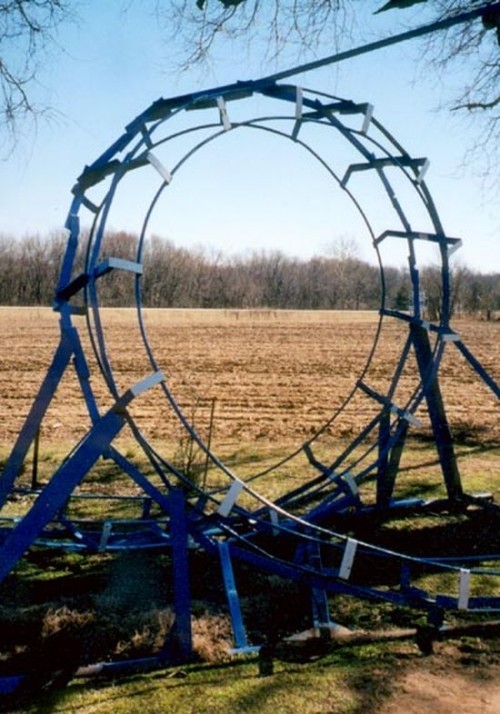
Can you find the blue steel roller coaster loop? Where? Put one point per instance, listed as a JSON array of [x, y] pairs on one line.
[[292, 536]]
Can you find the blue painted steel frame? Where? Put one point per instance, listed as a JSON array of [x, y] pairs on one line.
[[338, 492], [179, 644], [240, 637]]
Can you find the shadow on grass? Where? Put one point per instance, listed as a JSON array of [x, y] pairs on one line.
[[347, 680]]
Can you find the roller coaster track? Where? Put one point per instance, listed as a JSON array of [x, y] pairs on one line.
[[303, 535]]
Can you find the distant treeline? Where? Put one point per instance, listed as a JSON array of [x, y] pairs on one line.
[[178, 277]]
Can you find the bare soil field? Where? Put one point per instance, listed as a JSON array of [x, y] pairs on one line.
[[273, 374], [252, 382]]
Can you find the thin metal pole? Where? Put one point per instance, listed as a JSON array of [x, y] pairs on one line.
[[209, 441], [178, 647], [380, 44], [36, 451]]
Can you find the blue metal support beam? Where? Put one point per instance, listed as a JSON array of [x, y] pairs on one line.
[[437, 413], [179, 644], [319, 596], [69, 475], [389, 461], [233, 600], [58, 490], [478, 367]]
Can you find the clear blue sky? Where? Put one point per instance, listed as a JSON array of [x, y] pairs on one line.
[[113, 63]]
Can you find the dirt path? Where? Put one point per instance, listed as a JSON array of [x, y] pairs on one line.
[[444, 694], [460, 678]]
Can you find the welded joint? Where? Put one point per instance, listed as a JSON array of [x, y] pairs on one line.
[[72, 224], [275, 520], [453, 247], [224, 116], [299, 103], [452, 244], [89, 205], [143, 385], [380, 163], [111, 263], [146, 136], [464, 589], [406, 415], [367, 118], [227, 504], [450, 337], [299, 107], [106, 532], [157, 164], [423, 170], [351, 484], [348, 559]]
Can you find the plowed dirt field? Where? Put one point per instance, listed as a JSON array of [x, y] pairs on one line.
[[267, 374], [259, 375], [249, 381]]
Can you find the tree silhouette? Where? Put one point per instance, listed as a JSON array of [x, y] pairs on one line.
[[27, 29]]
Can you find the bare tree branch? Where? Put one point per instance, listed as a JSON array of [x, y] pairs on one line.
[[471, 106], [295, 24], [27, 28], [472, 51]]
